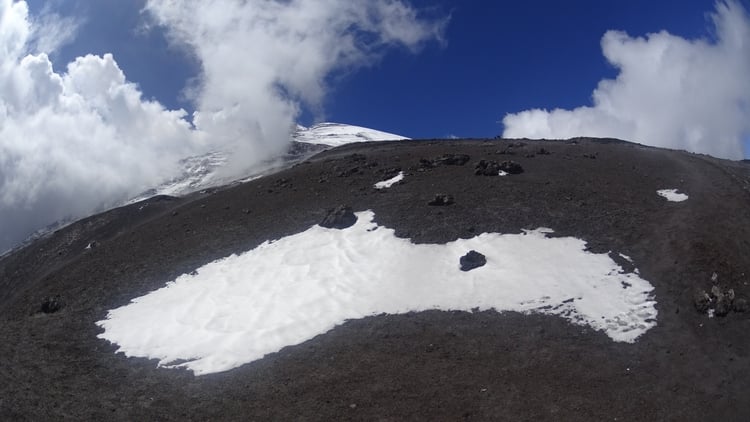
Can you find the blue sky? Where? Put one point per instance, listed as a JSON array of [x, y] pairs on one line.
[[498, 57], [101, 99]]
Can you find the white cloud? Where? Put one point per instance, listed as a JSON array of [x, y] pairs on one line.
[[77, 141], [263, 59], [670, 92], [73, 142]]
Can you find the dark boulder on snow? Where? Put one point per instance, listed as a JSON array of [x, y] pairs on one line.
[[340, 217], [51, 304], [471, 260], [441, 199]]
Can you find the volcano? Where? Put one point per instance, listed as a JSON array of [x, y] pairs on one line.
[[608, 281]]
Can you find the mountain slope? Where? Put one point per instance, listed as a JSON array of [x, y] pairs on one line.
[[481, 365], [200, 172]]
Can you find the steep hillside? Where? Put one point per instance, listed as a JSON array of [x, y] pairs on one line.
[[693, 364]]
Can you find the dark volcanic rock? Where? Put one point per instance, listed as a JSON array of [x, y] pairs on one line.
[[52, 304], [493, 168], [702, 301], [740, 305], [453, 159], [348, 172], [340, 217], [444, 160], [511, 167], [441, 199], [487, 168], [471, 260], [723, 306], [390, 172]]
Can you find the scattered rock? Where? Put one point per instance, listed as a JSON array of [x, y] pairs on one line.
[[283, 183], [719, 301], [340, 217], [452, 159], [492, 168], [702, 301], [471, 260], [511, 167], [425, 164], [441, 199], [444, 160], [723, 306], [52, 304], [740, 305], [391, 172], [348, 172], [487, 168], [542, 151]]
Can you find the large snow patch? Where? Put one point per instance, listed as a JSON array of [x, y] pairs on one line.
[[284, 292]]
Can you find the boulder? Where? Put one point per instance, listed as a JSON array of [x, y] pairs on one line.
[[740, 305], [471, 260], [452, 159], [511, 167], [441, 199], [493, 168], [51, 304], [702, 301]]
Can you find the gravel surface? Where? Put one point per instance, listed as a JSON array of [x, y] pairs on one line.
[[430, 365]]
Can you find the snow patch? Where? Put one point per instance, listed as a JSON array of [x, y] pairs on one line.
[[672, 195], [390, 182], [240, 308]]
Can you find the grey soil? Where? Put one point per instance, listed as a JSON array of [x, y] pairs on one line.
[[423, 366]]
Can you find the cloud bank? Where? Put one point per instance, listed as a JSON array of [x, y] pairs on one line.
[[261, 60], [670, 92], [78, 141]]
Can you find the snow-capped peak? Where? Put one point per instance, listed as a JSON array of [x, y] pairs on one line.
[[200, 172], [336, 134]]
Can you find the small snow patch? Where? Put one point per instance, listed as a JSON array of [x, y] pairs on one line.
[[672, 195], [390, 182]]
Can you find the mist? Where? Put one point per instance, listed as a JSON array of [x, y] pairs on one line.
[[84, 139], [670, 92]]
